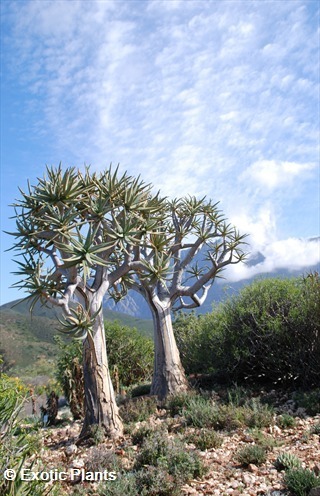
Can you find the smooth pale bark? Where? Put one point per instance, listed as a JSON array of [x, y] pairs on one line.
[[168, 375], [100, 403]]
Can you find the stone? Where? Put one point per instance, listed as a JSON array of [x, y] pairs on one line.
[[315, 491], [71, 450]]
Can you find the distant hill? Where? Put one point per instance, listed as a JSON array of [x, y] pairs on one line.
[[27, 341]]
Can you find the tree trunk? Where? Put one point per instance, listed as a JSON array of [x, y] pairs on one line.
[[168, 376], [100, 403]]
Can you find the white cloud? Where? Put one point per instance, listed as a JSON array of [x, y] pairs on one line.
[[271, 174], [290, 254]]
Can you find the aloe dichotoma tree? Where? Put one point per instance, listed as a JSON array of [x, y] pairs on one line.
[[70, 226], [175, 268]]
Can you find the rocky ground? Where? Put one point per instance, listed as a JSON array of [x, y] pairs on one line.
[[224, 477]]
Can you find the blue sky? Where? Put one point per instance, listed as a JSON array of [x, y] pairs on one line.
[[216, 98]]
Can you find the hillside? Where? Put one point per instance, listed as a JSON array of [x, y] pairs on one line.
[[27, 341]]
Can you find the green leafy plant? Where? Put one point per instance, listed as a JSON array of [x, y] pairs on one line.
[[266, 334], [254, 454], [300, 481], [285, 420], [205, 439]]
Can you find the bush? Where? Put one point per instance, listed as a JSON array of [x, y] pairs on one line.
[[268, 333], [190, 334], [300, 481], [285, 420], [205, 439], [69, 374], [138, 410], [254, 454], [130, 352], [309, 400], [15, 445], [130, 358]]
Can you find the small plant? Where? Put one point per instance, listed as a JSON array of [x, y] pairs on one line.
[[205, 439], [200, 412], [155, 481], [258, 414], [181, 464], [287, 461], [266, 442], [138, 410], [285, 420], [237, 396], [142, 433], [125, 484], [254, 454], [158, 451], [176, 403], [153, 447], [300, 481], [97, 434], [102, 459], [141, 390], [315, 429]]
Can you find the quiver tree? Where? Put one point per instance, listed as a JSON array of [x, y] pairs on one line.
[[174, 269], [70, 228]]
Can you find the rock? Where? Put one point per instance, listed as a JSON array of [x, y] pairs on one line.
[[71, 450], [79, 463], [252, 468], [315, 491], [247, 479]]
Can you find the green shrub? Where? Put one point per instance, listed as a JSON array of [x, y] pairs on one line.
[[125, 484], [181, 464], [254, 454], [285, 420], [154, 481], [130, 352], [153, 447], [176, 403], [268, 333], [205, 439], [138, 409], [200, 412], [139, 435], [190, 334], [266, 442], [300, 481], [69, 374]]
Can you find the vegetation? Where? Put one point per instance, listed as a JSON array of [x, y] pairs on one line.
[[252, 454], [300, 481], [266, 334], [16, 445], [287, 461]]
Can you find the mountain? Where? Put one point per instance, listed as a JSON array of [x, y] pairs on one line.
[[134, 304]]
